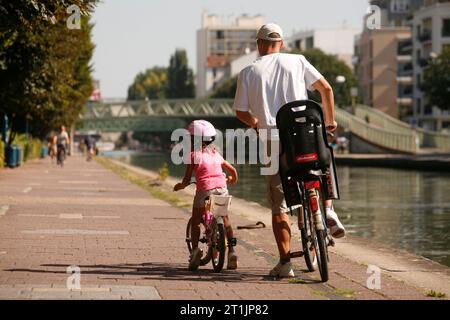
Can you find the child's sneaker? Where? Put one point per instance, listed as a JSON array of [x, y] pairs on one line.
[[232, 261], [194, 259]]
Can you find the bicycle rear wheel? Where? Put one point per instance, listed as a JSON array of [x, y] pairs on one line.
[[309, 251], [202, 243], [218, 246], [323, 255]]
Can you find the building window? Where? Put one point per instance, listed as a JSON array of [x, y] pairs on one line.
[[220, 34], [418, 81], [446, 27]]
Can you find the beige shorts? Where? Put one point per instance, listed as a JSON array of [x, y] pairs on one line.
[[200, 196], [275, 193]]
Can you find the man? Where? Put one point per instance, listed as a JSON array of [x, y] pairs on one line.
[[62, 141], [273, 80], [90, 147]]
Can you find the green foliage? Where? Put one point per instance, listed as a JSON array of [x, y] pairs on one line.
[[331, 67], [435, 294], [31, 148], [45, 73], [227, 89], [150, 84], [2, 154], [436, 84], [180, 76], [176, 81], [164, 172]]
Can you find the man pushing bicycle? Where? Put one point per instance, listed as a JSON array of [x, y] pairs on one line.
[[273, 80]]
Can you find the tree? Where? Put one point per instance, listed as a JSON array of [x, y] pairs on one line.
[[180, 77], [227, 89], [436, 84], [150, 84], [45, 73], [331, 67]]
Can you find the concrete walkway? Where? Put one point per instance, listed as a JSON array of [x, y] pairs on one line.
[[82, 224]]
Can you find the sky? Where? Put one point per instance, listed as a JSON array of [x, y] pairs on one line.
[[133, 35]]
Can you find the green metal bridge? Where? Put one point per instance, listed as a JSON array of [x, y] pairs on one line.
[[369, 125]]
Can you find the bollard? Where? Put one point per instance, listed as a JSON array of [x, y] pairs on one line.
[[44, 151]]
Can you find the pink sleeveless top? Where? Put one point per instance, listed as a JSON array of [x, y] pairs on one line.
[[208, 169]]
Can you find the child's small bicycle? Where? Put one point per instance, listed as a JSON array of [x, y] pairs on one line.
[[212, 240]]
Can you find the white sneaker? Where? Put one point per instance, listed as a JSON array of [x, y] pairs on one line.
[[194, 259], [282, 270], [337, 230]]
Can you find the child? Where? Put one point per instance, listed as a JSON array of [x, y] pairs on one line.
[[207, 164]]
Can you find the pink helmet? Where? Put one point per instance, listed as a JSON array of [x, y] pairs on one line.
[[202, 128]]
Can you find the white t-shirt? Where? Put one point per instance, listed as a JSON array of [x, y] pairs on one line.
[[272, 81]]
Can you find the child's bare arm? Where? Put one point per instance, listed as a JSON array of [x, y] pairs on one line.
[[187, 178], [233, 177]]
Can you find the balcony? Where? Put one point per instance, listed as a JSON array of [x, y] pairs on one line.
[[405, 101], [405, 80]]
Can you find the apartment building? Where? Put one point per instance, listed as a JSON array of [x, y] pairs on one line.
[[431, 33], [384, 69], [335, 41], [219, 42]]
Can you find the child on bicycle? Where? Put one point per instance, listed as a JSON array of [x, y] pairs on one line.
[[207, 164]]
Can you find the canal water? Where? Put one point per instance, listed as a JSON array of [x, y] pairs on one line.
[[401, 208]]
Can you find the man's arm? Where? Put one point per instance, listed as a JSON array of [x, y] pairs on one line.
[[326, 92], [247, 118]]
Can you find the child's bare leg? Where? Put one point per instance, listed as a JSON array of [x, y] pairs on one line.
[[197, 214], [228, 230]]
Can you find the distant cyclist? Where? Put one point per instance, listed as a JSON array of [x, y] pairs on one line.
[[62, 142], [90, 147]]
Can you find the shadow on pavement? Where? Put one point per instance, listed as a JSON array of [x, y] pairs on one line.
[[164, 271]]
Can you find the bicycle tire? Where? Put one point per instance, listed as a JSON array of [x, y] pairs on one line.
[[307, 244], [323, 261], [318, 237], [206, 255], [218, 246]]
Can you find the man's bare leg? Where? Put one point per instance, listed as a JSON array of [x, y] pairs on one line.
[[282, 232]]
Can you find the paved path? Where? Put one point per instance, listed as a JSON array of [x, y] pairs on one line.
[[128, 245]]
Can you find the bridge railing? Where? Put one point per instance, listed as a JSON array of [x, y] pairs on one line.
[[171, 107], [398, 141], [427, 139]]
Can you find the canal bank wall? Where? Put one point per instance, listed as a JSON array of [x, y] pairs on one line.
[[423, 162], [401, 265]]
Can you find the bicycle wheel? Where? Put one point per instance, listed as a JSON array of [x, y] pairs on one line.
[[218, 246], [323, 260], [307, 243], [319, 238], [202, 243]]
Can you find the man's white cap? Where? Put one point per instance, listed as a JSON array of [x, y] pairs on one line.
[[267, 29]]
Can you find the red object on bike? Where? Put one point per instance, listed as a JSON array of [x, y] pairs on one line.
[[307, 158], [312, 185], [314, 204]]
